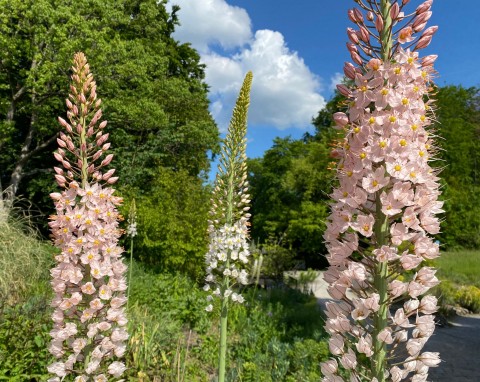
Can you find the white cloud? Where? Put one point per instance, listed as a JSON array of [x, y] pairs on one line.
[[336, 79], [208, 22], [285, 93]]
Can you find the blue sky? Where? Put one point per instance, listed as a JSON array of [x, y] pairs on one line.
[[296, 50]]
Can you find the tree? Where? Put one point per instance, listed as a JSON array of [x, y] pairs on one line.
[[155, 97], [290, 187], [458, 114]]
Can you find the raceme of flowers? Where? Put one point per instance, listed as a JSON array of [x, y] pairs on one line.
[[384, 209], [228, 250], [228, 228], [89, 335]]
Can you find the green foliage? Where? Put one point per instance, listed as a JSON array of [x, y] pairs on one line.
[[458, 126], [172, 223], [24, 340], [290, 188], [152, 87], [24, 262], [460, 285], [469, 298]]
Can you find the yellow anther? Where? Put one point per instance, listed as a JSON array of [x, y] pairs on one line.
[[392, 119], [356, 130], [374, 183], [397, 70], [422, 118], [405, 101], [384, 91], [349, 173], [371, 120], [382, 144], [363, 89], [366, 227], [410, 60], [403, 142], [363, 155], [397, 167], [421, 153], [416, 89], [345, 194], [414, 127]]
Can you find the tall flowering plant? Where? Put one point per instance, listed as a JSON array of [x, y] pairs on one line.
[[89, 332], [383, 211], [228, 228]]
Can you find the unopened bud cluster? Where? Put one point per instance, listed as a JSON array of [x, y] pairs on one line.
[[385, 207], [89, 332]]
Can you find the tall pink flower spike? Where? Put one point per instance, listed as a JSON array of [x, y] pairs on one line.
[[383, 211], [89, 332]]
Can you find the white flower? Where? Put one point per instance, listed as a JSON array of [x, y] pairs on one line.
[[209, 308]]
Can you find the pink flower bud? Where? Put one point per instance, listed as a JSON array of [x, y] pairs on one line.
[[341, 119], [91, 169], [351, 47], [61, 143], [75, 110], [424, 7], [351, 16], [66, 164], [90, 132], [60, 179], [421, 18], [405, 2], [69, 104], [106, 146], [112, 180], [429, 31], [394, 11], [344, 90], [97, 155], [423, 42], [379, 24], [102, 125], [429, 60], [62, 122], [107, 160], [70, 145], [352, 35], [358, 15], [108, 174], [370, 16], [349, 70], [79, 128], [356, 58], [364, 35], [420, 27], [82, 98], [58, 170], [58, 157]]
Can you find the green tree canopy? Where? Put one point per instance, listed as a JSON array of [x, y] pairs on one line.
[[152, 86]]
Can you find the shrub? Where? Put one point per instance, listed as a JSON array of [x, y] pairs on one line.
[[469, 298]]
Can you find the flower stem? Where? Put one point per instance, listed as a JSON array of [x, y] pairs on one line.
[[381, 230]]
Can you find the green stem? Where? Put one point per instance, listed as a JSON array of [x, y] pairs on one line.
[[380, 281], [224, 310], [130, 271]]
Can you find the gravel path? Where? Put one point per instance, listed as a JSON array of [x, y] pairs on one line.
[[458, 344]]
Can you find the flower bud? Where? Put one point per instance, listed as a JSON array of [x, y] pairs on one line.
[[379, 24], [424, 7], [344, 90], [352, 35], [341, 119], [349, 70], [429, 60], [394, 11], [356, 58], [370, 16], [423, 42], [107, 160], [358, 15], [429, 31], [351, 16], [364, 35]]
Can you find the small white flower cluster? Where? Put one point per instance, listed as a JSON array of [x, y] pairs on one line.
[[228, 251], [132, 229]]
